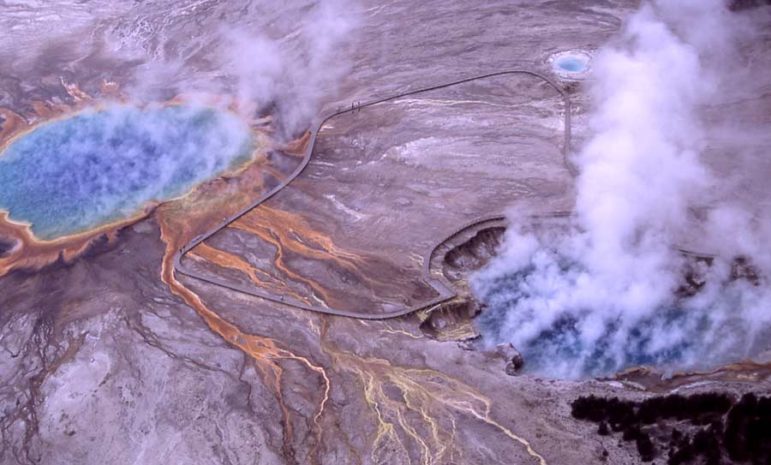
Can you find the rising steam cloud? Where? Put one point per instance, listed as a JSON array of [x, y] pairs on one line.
[[287, 69], [612, 289]]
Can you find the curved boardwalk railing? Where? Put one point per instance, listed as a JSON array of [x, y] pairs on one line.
[[442, 287]]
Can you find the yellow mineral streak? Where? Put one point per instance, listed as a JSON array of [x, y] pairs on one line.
[[417, 409]]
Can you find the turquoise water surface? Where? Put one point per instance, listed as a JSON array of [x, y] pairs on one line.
[[101, 166], [572, 64]]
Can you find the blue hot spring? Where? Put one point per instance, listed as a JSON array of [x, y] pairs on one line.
[[570, 64], [100, 166]]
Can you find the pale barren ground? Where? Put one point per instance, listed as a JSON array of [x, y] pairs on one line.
[[101, 361]]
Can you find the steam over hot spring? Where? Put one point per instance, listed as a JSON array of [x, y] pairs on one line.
[[612, 288]]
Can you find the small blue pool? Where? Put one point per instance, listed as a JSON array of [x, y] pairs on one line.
[[97, 167], [570, 64]]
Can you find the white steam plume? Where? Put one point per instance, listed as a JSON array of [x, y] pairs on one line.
[[607, 292], [286, 64], [293, 75]]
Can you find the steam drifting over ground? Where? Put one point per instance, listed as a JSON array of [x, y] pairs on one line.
[[611, 289], [284, 60], [287, 69]]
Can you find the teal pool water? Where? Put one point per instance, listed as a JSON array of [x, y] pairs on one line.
[[570, 64], [101, 166]]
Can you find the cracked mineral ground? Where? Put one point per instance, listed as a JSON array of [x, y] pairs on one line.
[[385, 232]]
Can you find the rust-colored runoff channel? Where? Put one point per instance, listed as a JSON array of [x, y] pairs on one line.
[[441, 286]]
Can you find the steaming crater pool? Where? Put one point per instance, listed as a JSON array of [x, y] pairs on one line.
[[551, 308], [101, 166]]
